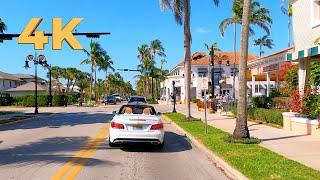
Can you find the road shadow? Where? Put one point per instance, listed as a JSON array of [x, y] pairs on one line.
[[46, 151], [58, 120], [173, 143]]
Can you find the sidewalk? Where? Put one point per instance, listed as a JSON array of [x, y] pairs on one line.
[[299, 147]]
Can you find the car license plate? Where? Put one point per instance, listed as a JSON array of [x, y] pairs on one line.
[[137, 127]]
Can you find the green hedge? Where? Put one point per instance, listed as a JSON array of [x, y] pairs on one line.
[[261, 102], [5, 99], [43, 100], [29, 100], [59, 100], [273, 116]]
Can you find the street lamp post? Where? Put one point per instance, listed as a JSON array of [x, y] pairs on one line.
[[50, 85], [174, 97], [41, 59], [212, 70]]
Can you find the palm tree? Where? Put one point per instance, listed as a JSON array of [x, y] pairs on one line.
[[156, 48], [105, 63], [263, 42], [3, 27], [95, 54], [57, 74], [213, 46], [259, 16], [286, 8], [241, 130], [70, 75], [146, 66], [83, 83], [181, 10]]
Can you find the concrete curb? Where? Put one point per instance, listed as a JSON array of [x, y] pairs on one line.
[[26, 119], [228, 169]]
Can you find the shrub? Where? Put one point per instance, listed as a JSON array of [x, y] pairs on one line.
[[18, 100], [59, 100], [261, 102], [5, 99], [252, 140], [29, 100], [282, 103], [194, 99], [73, 98], [273, 116], [311, 105], [296, 101]]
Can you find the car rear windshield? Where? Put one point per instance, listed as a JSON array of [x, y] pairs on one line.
[[134, 109], [137, 99]]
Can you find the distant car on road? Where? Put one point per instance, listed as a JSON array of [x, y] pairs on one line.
[[137, 99], [118, 97], [136, 124], [110, 100]]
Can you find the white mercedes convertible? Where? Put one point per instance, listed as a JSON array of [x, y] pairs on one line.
[[136, 123]]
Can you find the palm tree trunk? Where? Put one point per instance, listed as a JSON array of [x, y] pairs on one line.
[[241, 129], [235, 59], [95, 82], [75, 81], [91, 79], [152, 87], [260, 50], [187, 55], [81, 97]]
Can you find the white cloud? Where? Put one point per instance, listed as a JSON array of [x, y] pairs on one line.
[[203, 30]]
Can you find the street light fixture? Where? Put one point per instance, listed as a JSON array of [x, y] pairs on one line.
[[41, 59]]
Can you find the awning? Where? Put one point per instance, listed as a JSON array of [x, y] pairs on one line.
[[301, 54]]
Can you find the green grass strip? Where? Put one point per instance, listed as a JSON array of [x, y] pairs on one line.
[[253, 160]]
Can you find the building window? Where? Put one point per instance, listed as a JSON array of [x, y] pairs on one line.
[[315, 12], [10, 84]]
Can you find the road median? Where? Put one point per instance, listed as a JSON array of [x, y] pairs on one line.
[[240, 161]]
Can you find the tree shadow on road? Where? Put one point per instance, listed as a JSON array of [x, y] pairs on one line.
[[46, 151], [58, 120], [173, 143]]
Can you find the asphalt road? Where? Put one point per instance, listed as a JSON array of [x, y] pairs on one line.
[[71, 143]]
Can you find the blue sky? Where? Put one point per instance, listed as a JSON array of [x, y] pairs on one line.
[[131, 23]]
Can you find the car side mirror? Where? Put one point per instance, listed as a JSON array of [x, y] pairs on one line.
[[159, 113], [114, 112]]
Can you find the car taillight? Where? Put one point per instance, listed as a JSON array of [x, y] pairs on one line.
[[157, 126], [117, 125]]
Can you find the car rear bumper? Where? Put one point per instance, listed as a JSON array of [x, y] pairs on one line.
[[122, 137]]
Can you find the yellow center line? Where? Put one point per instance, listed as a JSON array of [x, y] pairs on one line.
[[79, 166], [82, 152]]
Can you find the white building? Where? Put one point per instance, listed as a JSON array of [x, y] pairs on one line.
[[306, 32], [202, 71], [8, 81]]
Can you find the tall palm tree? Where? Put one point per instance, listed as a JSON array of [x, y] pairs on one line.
[[146, 66], [181, 10], [259, 16], [156, 48], [263, 42], [241, 130], [286, 8], [3, 27], [95, 54]]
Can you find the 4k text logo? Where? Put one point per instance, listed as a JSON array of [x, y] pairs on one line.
[[30, 36]]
